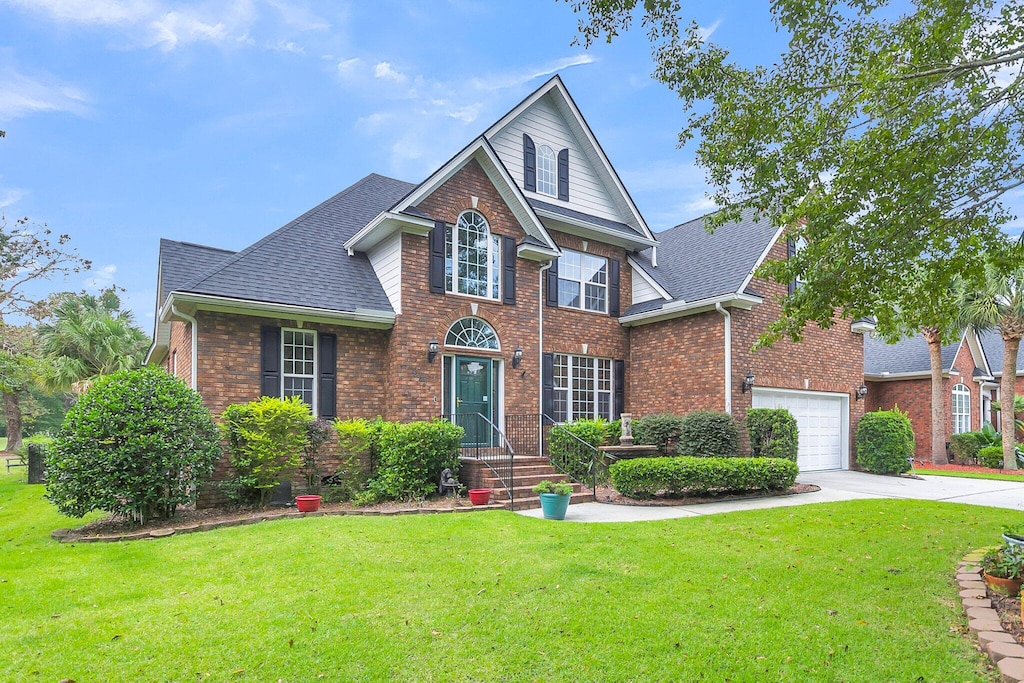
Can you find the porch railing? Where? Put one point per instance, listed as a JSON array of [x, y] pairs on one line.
[[531, 435], [485, 442]]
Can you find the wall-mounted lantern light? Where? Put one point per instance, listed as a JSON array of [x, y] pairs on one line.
[[432, 351], [860, 392], [517, 357], [748, 382]]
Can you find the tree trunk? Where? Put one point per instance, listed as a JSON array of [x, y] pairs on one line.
[[934, 339], [1007, 388], [12, 411]]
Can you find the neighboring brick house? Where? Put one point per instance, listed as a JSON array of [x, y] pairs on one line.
[[899, 375], [519, 279]]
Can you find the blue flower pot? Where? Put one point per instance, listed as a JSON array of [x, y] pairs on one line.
[[554, 505]]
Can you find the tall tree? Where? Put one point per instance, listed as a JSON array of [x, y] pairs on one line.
[[885, 135], [999, 303], [28, 254], [88, 336]]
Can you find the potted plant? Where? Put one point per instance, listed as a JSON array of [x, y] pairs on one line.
[[1003, 569], [307, 503], [480, 496], [1013, 534], [554, 498]]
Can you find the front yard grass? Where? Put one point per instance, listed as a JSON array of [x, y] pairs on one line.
[[997, 475], [853, 591]]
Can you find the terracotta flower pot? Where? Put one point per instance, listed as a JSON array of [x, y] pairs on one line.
[[1010, 587], [307, 503], [480, 496]]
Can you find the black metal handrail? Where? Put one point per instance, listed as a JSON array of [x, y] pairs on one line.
[[494, 450], [595, 454]]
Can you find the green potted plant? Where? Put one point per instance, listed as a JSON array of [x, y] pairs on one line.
[[1013, 534], [554, 498], [1003, 569]]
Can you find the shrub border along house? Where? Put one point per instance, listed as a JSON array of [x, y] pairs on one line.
[[690, 475]]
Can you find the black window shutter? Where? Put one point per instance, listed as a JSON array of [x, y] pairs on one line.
[[270, 361], [563, 175], [613, 288], [547, 374], [619, 378], [790, 253], [437, 240], [551, 284], [328, 398], [508, 270], [529, 164]]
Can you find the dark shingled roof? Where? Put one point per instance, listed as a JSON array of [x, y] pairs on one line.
[[585, 217], [695, 265], [304, 263], [180, 262], [907, 355], [992, 345]]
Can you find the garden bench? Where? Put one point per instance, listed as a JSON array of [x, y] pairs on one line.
[[14, 462]]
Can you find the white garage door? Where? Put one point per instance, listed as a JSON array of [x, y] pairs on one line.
[[820, 420]]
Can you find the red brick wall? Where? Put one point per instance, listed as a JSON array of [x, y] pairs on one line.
[[414, 385], [179, 349]]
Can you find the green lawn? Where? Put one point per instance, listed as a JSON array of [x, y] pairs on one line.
[[997, 475], [856, 591]]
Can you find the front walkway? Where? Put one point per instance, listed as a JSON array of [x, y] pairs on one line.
[[835, 486]]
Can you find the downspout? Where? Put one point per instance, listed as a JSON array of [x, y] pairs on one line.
[[728, 355], [540, 338], [195, 342]]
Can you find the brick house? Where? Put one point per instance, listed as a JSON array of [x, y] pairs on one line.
[[899, 375], [518, 279]]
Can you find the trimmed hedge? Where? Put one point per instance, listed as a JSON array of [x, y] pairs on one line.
[[411, 457], [644, 477], [965, 447], [773, 433], [707, 433], [991, 456], [659, 429], [569, 455], [885, 442]]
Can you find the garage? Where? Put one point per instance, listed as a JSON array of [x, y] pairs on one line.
[[822, 420]]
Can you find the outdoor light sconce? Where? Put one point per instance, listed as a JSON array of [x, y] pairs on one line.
[[431, 351], [517, 357], [748, 382], [860, 392]]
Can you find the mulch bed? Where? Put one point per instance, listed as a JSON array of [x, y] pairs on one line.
[[1009, 614], [966, 468], [606, 494]]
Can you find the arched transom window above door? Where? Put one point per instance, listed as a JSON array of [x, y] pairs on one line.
[[472, 333]]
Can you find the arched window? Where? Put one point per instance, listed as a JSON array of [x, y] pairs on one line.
[[961, 409], [472, 333], [472, 257], [547, 171]]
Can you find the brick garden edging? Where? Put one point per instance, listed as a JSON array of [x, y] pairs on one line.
[[984, 622], [69, 535]]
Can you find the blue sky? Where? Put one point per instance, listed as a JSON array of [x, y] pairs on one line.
[[216, 122]]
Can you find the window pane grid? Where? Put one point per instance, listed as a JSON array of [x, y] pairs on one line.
[[582, 387], [298, 367], [472, 257], [961, 409], [583, 281], [546, 171]]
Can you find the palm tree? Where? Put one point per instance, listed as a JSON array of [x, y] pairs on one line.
[[933, 336], [999, 302], [90, 337]]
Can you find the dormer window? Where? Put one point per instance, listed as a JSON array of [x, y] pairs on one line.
[[547, 178]]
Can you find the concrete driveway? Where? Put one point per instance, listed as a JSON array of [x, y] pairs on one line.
[[835, 486]]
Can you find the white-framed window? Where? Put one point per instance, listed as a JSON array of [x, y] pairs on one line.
[[961, 409], [472, 333], [798, 245], [583, 281], [472, 261], [547, 171], [582, 387], [298, 365]]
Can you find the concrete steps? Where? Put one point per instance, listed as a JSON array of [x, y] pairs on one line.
[[528, 471]]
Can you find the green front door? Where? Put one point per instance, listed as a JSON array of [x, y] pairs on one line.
[[473, 398]]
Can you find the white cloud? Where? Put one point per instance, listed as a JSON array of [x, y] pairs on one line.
[[10, 196], [348, 67], [103, 12], [519, 78], [706, 31], [286, 46], [21, 95], [101, 278], [384, 71], [175, 28]]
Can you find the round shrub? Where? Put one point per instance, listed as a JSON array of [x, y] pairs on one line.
[[991, 456], [661, 430], [412, 456], [965, 446], [885, 442], [136, 444], [773, 433], [707, 433], [573, 447]]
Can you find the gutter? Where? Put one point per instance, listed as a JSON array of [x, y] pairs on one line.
[[367, 317], [679, 308], [194, 325], [728, 356]]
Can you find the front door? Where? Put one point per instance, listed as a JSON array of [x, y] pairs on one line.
[[473, 398]]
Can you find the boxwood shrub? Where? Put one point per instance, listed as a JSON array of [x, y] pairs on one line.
[[136, 443], [659, 429], [411, 456], [991, 456], [965, 447], [885, 442], [571, 446], [687, 475], [773, 433], [708, 433]]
